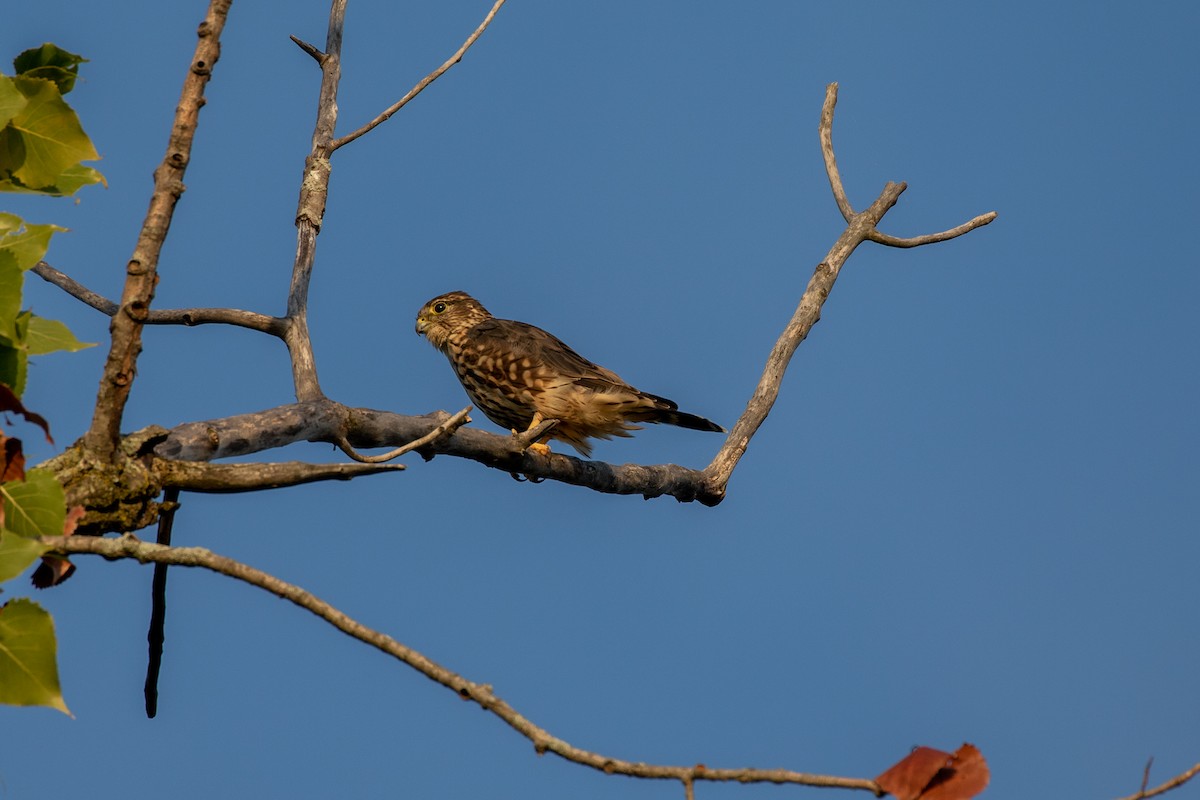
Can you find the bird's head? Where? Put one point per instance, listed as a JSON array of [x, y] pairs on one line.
[[447, 314]]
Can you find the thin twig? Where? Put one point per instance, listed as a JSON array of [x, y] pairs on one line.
[[128, 546], [141, 274], [1163, 788], [158, 604], [312, 50], [932, 238], [420, 87], [173, 316], [444, 429]]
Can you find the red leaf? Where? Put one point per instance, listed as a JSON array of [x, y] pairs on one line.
[[10, 402], [928, 774], [966, 776], [909, 776], [12, 460]]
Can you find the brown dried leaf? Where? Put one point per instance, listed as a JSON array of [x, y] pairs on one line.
[[909, 776], [929, 774], [12, 460], [55, 569], [51, 572], [966, 776], [10, 402]]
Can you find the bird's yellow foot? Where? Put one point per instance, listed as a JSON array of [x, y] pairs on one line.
[[541, 448]]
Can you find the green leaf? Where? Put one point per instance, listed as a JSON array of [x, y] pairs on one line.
[[14, 365], [36, 506], [29, 657], [12, 278], [44, 138], [68, 183], [14, 368], [49, 336], [28, 245], [51, 62], [11, 100], [17, 553], [9, 222]]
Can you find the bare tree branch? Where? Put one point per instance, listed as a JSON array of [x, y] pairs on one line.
[[825, 129], [420, 87], [141, 274], [128, 546], [326, 421], [310, 210], [201, 476], [1163, 788], [860, 227], [933, 238], [175, 316]]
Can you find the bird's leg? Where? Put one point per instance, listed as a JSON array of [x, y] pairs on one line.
[[541, 448]]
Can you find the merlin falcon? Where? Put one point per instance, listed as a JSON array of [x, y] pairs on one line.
[[520, 375]]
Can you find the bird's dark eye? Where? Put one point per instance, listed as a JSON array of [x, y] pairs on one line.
[[438, 308]]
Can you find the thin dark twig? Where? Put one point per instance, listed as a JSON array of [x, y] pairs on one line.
[[158, 603], [424, 82], [316, 54]]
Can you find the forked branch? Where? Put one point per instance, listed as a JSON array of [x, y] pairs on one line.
[[423, 83]]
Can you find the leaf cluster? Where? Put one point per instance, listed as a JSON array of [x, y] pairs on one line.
[[41, 147], [41, 140]]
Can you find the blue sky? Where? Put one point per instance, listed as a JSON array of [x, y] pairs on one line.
[[972, 515]]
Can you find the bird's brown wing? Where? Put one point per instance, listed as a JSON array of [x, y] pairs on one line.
[[544, 349]]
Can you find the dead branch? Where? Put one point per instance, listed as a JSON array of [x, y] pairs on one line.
[[325, 420], [275, 326], [129, 546], [200, 476], [141, 274], [860, 227], [424, 82]]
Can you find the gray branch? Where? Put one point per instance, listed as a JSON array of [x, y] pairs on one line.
[[276, 326]]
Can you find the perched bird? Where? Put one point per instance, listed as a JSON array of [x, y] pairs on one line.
[[520, 376]]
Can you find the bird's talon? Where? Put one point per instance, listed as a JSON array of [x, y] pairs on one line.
[[541, 448]]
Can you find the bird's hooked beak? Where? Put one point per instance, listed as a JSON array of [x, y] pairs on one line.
[[422, 324]]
